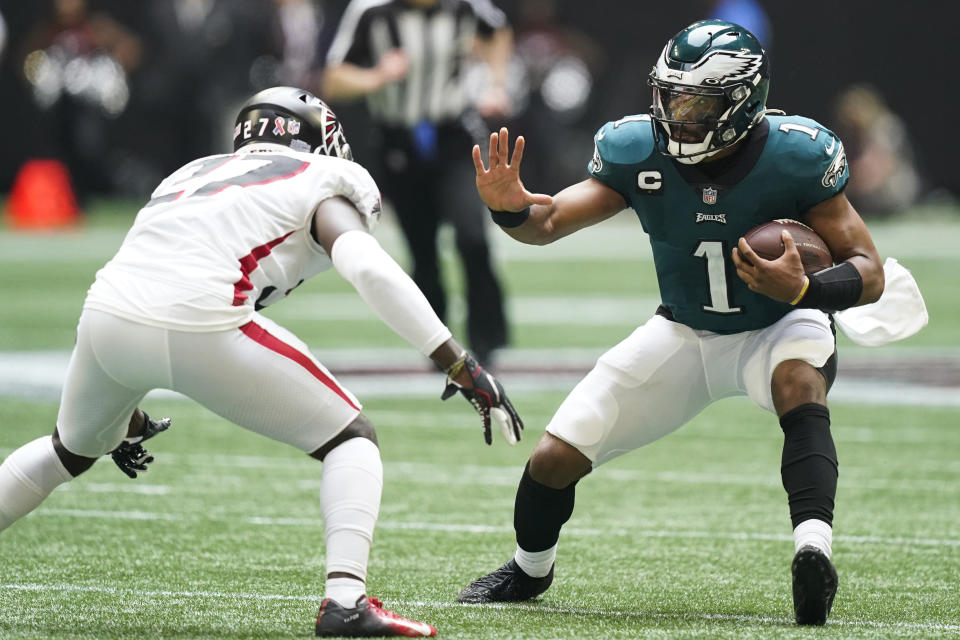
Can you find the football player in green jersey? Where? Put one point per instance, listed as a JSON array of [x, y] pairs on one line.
[[705, 165]]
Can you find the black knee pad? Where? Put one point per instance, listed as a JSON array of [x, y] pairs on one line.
[[539, 512], [74, 464], [809, 464], [361, 427]]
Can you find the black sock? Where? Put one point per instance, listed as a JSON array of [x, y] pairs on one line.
[[809, 464], [539, 512]]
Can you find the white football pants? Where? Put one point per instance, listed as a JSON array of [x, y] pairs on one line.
[[665, 373], [259, 376]]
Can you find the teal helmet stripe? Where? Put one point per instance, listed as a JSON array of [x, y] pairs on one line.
[[700, 38]]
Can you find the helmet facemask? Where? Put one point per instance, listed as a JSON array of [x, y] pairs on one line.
[[709, 89], [693, 122], [334, 142]]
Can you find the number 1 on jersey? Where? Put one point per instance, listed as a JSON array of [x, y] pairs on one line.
[[713, 252]]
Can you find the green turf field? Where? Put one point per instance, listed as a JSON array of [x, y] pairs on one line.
[[687, 538]]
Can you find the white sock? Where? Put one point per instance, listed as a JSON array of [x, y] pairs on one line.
[[536, 564], [345, 591], [350, 501], [27, 477], [813, 532]]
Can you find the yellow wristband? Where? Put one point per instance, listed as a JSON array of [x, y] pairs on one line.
[[454, 369], [803, 291]]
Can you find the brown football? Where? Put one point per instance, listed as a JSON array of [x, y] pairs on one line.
[[765, 240]]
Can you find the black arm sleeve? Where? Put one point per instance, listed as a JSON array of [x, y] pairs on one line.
[[833, 289]]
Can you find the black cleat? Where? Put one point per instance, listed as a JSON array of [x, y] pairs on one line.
[[367, 620], [507, 584], [814, 586]]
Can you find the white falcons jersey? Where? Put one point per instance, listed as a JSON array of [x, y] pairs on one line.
[[226, 235]]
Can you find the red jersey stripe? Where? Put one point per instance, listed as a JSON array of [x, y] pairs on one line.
[[261, 336], [248, 263]]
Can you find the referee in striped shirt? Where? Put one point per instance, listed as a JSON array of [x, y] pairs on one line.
[[407, 57]]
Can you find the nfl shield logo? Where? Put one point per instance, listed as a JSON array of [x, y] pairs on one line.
[[710, 195]]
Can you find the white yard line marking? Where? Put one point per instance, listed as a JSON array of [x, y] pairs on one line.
[[592, 310], [142, 594], [218, 595], [110, 487], [109, 514], [487, 529], [486, 475], [401, 372], [621, 237]]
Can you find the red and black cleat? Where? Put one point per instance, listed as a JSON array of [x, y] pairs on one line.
[[368, 619]]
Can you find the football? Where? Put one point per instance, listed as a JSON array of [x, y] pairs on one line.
[[765, 240]]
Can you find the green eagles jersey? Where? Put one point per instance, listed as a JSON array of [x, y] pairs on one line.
[[695, 214]]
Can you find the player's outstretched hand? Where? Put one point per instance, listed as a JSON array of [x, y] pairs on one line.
[[130, 456], [490, 401], [500, 186]]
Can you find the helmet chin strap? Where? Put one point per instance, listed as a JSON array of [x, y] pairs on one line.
[[676, 148], [763, 112], [700, 157]]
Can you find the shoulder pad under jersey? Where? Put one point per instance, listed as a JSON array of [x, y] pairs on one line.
[[617, 147], [811, 154], [349, 179]]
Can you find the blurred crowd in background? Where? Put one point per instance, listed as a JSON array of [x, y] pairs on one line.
[[122, 93]]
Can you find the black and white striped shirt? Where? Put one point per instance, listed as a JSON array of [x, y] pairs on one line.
[[436, 39]]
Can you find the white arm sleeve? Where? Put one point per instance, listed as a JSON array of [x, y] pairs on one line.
[[390, 292]]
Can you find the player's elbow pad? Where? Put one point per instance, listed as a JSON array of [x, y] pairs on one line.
[[390, 292]]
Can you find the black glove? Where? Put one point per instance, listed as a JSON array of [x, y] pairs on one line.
[[487, 397], [130, 456]]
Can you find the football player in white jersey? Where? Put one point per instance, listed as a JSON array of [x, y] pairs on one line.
[[221, 238]]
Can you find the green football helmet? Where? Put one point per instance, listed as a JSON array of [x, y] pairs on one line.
[[710, 88]]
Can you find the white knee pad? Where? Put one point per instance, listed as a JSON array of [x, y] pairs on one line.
[[27, 477], [803, 334], [587, 414]]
